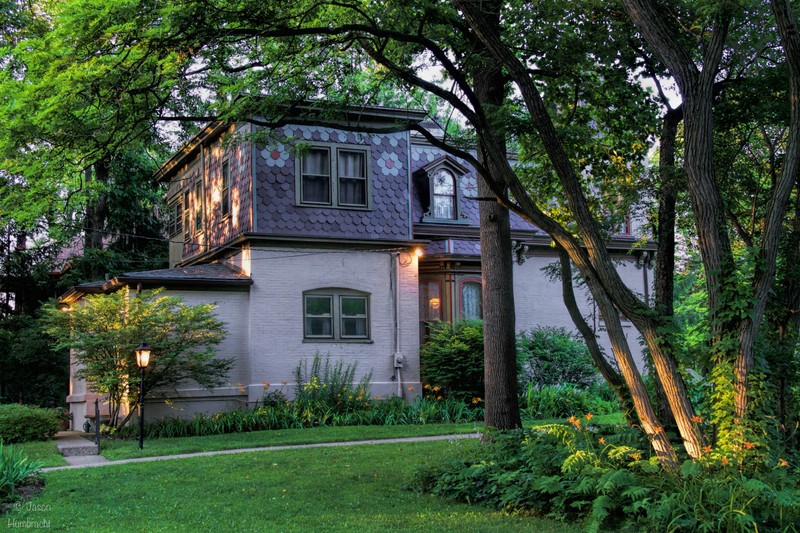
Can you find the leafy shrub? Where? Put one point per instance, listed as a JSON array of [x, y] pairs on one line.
[[294, 415], [15, 471], [23, 423], [553, 356], [452, 358], [603, 478], [561, 401]]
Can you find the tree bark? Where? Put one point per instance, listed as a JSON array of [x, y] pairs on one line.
[[664, 282], [96, 212], [608, 372], [499, 337], [599, 267]]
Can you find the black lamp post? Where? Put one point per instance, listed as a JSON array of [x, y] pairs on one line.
[[142, 359]]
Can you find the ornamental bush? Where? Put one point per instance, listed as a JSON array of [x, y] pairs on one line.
[[452, 358], [23, 423], [604, 478], [553, 356]]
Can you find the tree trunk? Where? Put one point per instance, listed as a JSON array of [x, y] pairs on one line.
[[641, 401], [499, 337], [599, 267], [665, 237], [96, 211], [608, 372]]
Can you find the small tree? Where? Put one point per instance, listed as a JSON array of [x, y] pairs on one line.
[[105, 330]]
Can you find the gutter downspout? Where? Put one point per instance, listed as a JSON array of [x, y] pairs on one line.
[[397, 358]]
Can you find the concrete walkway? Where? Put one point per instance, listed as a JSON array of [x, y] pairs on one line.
[[90, 461], [78, 448]]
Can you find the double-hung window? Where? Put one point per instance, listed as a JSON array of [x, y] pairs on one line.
[[444, 195], [335, 314], [198, 206], [334, 176], [174, 217], [187, 230], [225, 201]]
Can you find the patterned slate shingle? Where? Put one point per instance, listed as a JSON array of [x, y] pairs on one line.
[[388, 219]]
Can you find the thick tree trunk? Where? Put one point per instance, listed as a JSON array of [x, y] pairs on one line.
[[499, 341], [499, 337]]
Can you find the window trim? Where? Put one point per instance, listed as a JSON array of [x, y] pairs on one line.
[[225, 188], [336, 296], [333, 175]]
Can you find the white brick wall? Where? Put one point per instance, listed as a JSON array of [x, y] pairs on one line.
[[539, 301], [276, 316]]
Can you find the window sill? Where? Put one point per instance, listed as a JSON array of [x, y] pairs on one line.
[[460, 221], [328, 206], [338, 341]]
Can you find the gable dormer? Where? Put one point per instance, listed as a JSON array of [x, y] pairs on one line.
[[438, 184]]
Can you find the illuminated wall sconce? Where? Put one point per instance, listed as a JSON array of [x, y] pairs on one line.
[[433, 303]]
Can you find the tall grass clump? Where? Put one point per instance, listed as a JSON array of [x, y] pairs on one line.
[[15, 471], [328, 386]]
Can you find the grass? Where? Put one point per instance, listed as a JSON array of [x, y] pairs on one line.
[[352, 488], [44, 451], [115, 450]]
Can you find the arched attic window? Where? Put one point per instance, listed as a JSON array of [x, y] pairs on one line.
[[439, 191]]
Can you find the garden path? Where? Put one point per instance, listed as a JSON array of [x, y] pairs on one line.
[[89, 461]]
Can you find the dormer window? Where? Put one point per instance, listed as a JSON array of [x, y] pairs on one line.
[[439, 189], [334, 175], [444, 195]]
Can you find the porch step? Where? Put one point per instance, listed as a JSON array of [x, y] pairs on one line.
[[72, 444]]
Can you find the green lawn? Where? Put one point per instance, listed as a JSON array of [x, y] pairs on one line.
[[45, 452], [351, 488], [126, 449]]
